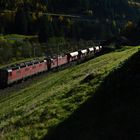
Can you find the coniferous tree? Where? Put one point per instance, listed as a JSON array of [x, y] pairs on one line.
[[21, 24], [43, 34]]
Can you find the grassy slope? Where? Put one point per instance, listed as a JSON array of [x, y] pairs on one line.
[[29, 113], [112, 113], [11, 38]]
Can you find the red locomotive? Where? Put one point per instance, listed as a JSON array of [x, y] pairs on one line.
[[18, 72]]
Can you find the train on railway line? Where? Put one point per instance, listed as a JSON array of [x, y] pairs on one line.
[[19, 72]]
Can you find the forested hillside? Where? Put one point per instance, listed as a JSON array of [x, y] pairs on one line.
[[101, 7], [99, 19], [98, 8]]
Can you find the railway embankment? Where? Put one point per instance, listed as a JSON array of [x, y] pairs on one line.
[[90, 100], [112, 113]]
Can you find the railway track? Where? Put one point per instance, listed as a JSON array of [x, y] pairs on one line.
[[19, 76], [25, 83], [22, 84]]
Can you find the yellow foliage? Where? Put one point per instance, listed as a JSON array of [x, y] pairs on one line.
[[34, 16], [40, 14], [61, 18], [50, 18], [129, 25]]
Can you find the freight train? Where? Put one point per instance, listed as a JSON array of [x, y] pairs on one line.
[[18, 72]]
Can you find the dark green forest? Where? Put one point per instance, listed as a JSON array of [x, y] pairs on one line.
[[98, 19], [65, 23]]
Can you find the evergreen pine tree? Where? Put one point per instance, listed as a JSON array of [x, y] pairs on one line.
[[21, 24], [43, 30]]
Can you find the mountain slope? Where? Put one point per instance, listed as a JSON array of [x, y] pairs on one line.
[[113, 113], [32, 111], [100, 8], [99, 19]]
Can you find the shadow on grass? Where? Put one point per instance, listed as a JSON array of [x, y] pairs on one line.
[[112, 113]]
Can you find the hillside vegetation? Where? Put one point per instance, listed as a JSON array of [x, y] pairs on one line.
[[34, 111], [14, 48], [105, 18], [112, 113], [103, 8], [19, 47]]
